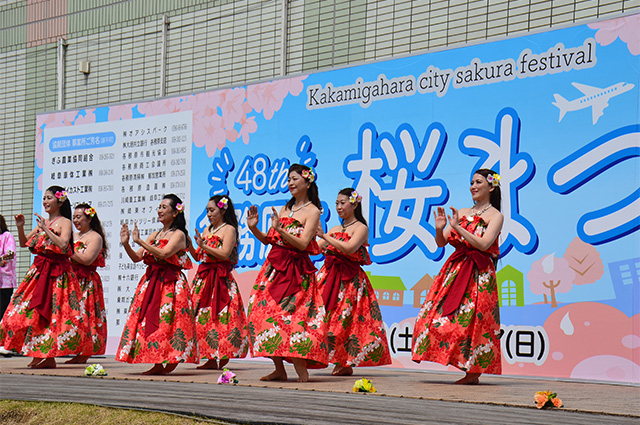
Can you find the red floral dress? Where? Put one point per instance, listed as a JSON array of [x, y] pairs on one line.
[[221, 323], [160, 327], [468, 337], [356, 331], [46, 317], [92, 299], [286, 314]]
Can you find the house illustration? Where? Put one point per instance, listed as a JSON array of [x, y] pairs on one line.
[[389, 289], [510, 283], [420, 290]]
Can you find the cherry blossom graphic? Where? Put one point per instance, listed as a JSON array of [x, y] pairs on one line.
[[120, 112], [627, 28], [584, 259], [161, 107], [226, 115], [550, 275], [268, 97]]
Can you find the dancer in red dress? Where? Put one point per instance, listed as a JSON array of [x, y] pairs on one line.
[[160, 328], [356, 331], [90, 249], [45, 318], [459, 323], [286, 314], [221, 323]]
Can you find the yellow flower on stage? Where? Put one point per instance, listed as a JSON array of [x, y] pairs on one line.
[[364, 385]]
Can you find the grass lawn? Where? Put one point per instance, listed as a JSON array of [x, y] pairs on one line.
[[37, 413]]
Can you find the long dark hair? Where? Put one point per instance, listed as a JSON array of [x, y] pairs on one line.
[[347, 191], [312, 192], [229, 215], [179, 222], [496, 195], [3, 225], [95, 225], [65, 208]]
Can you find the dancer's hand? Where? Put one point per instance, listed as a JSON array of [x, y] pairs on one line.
[[136, 233], [275, 219], [19, 220], [252, 217], [453, 219], [198, 238], [441, 218], [124, 234], [320, 231], [40, 220]]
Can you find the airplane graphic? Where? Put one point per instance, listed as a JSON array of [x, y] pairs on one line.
[[596, 98]]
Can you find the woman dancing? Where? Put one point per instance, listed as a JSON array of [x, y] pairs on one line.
[[286, 314], [90, 249], [45, 317], [160, 328], [459, 323], [221, 323], [355, 328]]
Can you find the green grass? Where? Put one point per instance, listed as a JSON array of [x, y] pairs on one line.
[[37, 412]]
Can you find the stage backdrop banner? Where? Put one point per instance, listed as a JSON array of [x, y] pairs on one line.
[[555, 113]]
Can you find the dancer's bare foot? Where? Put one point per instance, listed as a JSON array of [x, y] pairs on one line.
[[35, 361], [223, 363], [300, 366], [469, 379], [210, 364], [157, 369], [49, 363], [170, 367], [342, 371], [78, 360], [276, 375]]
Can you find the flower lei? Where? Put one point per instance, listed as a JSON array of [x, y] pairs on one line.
[[309, 175], [227, 377], [364, 385], [62, 195], [494, 179], [222, 203], [547, 399], [90, 211], [95, 370], [355, 197], [180, 208]]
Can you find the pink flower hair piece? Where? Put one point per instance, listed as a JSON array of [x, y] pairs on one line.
[[222, 203]]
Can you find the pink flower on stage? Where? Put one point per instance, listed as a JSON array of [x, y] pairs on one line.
[[627, 28], [227, 377], [120, 112]]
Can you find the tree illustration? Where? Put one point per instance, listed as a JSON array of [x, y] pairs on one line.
[[585, 261], [550, 275]]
